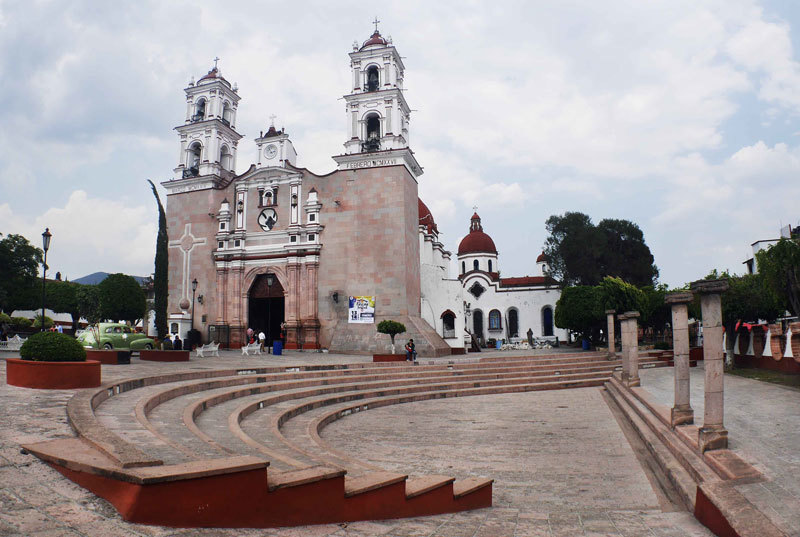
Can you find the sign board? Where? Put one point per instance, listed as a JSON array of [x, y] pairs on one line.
[[361, 309]]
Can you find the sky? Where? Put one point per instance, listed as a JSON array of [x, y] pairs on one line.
[[681, 116]]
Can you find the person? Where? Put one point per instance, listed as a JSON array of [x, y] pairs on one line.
[[411, 352], [177, 344], [530, 337], [262, 339]]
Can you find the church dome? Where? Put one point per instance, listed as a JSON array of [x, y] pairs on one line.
[[374, 39], [212, 75], [542, 258], [426, 218], [476, 241]]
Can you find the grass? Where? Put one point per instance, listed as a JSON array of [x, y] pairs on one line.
[[766, 375]]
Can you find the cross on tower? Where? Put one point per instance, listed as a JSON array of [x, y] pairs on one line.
[[375, 22], [216, 59], [475, 208], [272, 120]]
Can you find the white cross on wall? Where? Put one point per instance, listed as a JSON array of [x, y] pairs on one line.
[[186, 244]]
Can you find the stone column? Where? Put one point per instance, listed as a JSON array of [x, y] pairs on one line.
[[712, 434], [633, 348], [612, 350], [682, 412]]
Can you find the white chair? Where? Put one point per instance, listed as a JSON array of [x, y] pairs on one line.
[[211, 348], [254, 348]]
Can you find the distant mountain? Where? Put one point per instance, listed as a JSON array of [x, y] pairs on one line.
[[97, 277]]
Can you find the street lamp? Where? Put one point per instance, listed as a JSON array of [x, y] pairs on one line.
[[270, 281], [46, 244], [194, 288]]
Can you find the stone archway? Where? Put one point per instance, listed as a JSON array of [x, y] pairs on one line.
[[266, 306]]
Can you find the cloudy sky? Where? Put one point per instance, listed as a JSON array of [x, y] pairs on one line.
[[679, 115]]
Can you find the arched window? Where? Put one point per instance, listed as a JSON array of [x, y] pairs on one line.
[[477, 323], [199, 110], [448, 324], [373, 79], [373, 134], [463, 267], [193, 155], [227, 113], [547, 321], [494, 320], [225, 158], [490, 265], [513, 323], [475, 265]]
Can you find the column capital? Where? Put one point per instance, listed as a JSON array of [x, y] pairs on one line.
[[710, 287], [628, 315], [611, 312], [679, 297]]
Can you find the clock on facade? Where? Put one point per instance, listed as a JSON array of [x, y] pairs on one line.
[[271, 151], [267, 219]]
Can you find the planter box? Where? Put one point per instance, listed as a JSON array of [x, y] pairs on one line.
[[53, 375], [389, 357], [109, 357], [164, 356]]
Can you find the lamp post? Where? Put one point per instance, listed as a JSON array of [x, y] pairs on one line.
[[46, 245], [270, 281], [191, 335]]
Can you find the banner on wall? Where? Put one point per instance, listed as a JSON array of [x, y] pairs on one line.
[[361, 309]]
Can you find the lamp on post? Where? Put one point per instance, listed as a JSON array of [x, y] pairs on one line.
[[270, 281], [46, 246], [191, 328]]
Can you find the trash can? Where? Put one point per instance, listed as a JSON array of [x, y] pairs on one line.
[[498, 344], [586, 344], [277, 347]]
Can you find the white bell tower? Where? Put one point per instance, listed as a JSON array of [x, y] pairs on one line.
[[378, 115], [209, 140]]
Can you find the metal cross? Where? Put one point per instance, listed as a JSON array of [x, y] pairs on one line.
[[375, 22], [216, 59], [475, 208], [272, 119]]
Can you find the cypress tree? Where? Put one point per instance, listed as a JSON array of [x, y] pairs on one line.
[[160, 281]]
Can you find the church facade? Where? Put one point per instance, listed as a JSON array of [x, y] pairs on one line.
[[283, 250]]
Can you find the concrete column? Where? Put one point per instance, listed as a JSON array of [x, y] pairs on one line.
[[682, 412], [633, 348], [712, 434], [612, 351], [624, 336]]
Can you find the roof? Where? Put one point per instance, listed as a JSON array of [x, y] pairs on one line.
[[523, 281], [426, 218], [476, 241], [542, 258], [374, 39], [213, 74]]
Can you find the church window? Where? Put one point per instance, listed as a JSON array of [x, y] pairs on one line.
[[199, 110], [312, 217], [490, 265], [513, 323], [448, 324], [311, 236], [494, 320], [227, 113], [222, 226], [220, 245], [193, 155], [225, 158], [236, 243], [475, 265], [463, 267], [373, 79], [292, 239], [372, 140], [477, 290]]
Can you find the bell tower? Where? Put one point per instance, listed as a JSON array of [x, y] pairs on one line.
[[378, 115], [209, 140]]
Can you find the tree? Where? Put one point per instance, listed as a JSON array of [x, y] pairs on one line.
[[780, 266], [62, 297], [619, 295], [88, 298], [581, 253], [580, 310], [19, 263], [160, 275], [392, 328], [121, 298]]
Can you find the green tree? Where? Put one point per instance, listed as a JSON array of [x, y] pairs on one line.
[[581, 253], [19, 263], [617, 294], [88, 298], [62, 297], [160, 275], [391, 328], [780, 266], [580, 309], [121, 298]]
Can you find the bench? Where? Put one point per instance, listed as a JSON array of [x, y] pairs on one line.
[[13, 344], [211, 348], [255, 348]]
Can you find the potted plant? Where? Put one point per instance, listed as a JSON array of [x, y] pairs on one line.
[[390, 328], [53, 361]]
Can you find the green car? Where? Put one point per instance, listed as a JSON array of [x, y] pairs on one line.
[[115, 336]]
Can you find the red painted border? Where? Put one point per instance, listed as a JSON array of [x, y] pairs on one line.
[[710, 516], [52, 375], [104, 356], [389, 357], [164, 356], [786, 365]]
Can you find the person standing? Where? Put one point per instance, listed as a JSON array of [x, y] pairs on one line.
[[262, 339], [530, 337], [177, 344]]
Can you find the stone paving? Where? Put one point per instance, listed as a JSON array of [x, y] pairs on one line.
[[562, 464]]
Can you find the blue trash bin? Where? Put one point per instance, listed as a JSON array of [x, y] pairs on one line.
[[277, 347], [586, 344], [498, 344]]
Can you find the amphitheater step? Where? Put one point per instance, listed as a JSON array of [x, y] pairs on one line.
[[418, 486], [369, 482]]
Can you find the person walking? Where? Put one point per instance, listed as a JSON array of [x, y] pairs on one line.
[[411, 352], [262, 339]]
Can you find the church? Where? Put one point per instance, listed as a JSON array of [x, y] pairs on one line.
[[319, 260]]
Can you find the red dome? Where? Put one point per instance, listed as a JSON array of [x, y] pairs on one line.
[[426, 218], [542, 258], [476, 241], [374, 39]]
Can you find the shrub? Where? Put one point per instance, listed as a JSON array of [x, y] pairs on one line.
[[37, 322], [5, 318], [52, 347], [20, 323]]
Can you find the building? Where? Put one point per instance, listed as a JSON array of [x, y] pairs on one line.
[[786, 233], [316, 259]]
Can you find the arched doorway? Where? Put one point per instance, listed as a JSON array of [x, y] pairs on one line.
[[266, 306], [477, 320], [513, 323], [547, 321]]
